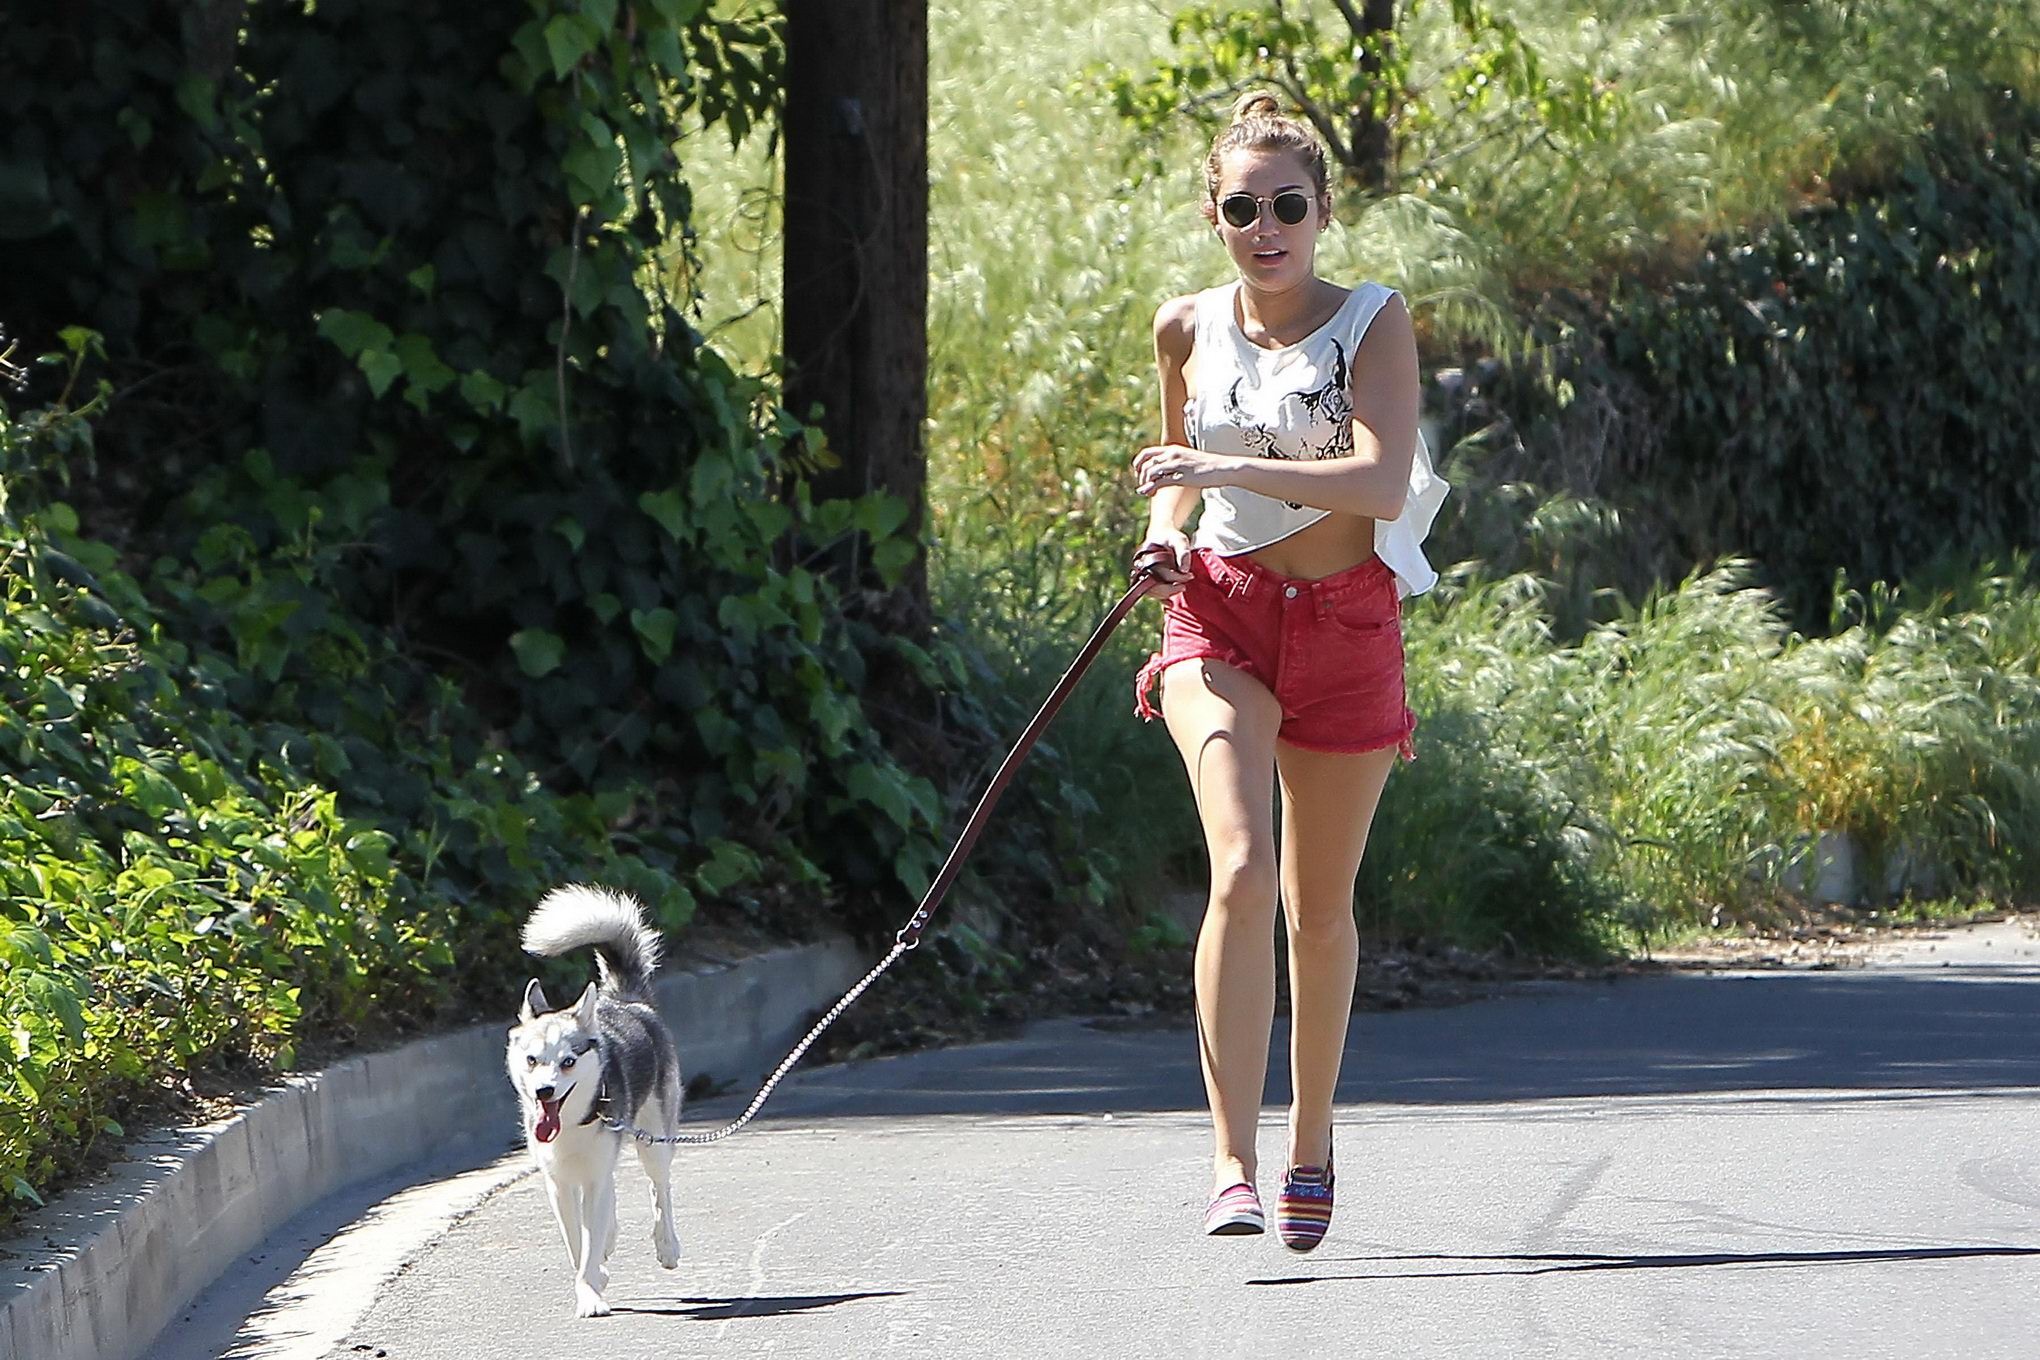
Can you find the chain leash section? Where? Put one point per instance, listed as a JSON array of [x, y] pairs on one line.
[[909, 936], [621, 1126]]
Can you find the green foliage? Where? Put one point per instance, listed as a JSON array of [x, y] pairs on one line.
[[191, 882], [1549, 144], [1484, 842], [1674, 764], [1873, 361], [172, 898], [406, 263], [1346, 79], [455, 561]]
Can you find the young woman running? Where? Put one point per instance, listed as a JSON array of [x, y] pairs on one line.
[[1289, 412]]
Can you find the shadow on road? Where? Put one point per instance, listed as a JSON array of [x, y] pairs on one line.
[[1899, 1030], [1574, 1263], [1955, 1029], [718, 1310]]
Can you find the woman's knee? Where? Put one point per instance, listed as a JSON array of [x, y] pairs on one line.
[[1324, 917], [1244, 882]]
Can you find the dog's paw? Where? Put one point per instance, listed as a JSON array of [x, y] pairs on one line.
[[589, 1303], [667, 1245]]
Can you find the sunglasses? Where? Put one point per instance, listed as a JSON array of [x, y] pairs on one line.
[[1243, 210]]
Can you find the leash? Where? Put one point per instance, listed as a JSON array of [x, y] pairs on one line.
[[908, 937]]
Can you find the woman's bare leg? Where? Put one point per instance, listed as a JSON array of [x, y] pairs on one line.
[[1224, 724], [1328, 803]]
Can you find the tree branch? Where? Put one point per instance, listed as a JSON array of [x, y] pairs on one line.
[[1295, 88], [1352, 17]]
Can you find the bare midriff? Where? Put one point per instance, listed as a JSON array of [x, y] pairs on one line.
[[1325, 548]]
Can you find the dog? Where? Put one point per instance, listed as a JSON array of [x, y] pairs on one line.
[[607, 1056]]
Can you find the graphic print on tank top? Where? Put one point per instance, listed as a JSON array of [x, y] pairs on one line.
[[1331, 404]]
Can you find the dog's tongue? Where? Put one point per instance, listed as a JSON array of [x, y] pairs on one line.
[[548, 1126]]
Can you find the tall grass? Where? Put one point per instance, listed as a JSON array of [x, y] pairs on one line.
[[1675, 765], [1726, 115]]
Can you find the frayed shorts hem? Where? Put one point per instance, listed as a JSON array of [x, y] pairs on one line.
[[1157, 665], [1404, 744]]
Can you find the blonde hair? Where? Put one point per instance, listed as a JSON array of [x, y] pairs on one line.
[[1258, 124]]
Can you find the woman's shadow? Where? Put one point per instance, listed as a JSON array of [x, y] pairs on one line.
[[1574, 1263]]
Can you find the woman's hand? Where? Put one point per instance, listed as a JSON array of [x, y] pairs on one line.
[[1160, 466], [1165, 556]]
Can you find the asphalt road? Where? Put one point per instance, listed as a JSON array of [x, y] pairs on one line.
[[1795, 1163]]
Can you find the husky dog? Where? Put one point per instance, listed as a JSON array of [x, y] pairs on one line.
[[605, 1057]]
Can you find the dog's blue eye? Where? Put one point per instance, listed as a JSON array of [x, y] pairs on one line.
[[530, 1061], [566, 1062]]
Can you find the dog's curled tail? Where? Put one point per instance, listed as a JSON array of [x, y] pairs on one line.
[[627, 950]]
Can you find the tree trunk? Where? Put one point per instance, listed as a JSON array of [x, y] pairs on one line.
[[856, 256], [1373, 146]]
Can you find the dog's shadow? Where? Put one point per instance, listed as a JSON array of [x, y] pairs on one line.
[[764, 1305]]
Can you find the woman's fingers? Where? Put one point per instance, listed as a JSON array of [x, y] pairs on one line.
[[1155, 468], [1143, 474], [1153, 459]]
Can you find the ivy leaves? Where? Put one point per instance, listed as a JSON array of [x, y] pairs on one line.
[[383, 357]]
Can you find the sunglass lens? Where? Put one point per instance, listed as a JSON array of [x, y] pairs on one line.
[[1290, 208], [1240, 209]]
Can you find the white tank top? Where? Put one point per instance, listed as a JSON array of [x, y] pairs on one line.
[[1294, 401]]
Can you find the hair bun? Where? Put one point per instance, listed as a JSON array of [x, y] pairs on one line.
[[1255, 104]]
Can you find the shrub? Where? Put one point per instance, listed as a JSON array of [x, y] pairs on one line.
[[1867, 364]]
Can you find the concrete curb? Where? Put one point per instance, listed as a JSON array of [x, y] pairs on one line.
[[99, 1273]]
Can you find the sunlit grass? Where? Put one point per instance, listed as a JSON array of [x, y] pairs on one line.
[[1690, 750]]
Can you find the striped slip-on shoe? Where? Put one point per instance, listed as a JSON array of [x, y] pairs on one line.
[[1235, 1212], [1303, 1211]]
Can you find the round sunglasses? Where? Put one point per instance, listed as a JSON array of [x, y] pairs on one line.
[[1243, 209]]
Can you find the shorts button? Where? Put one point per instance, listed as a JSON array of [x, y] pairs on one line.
[[1289, 591]]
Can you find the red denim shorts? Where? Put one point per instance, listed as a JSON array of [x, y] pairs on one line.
[[1329, 650]]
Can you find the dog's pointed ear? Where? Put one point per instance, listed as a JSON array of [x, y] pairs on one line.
[[584, 1009], [535, 1003]]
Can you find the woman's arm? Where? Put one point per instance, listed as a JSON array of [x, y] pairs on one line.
[[1373, 480], [1175, 339]]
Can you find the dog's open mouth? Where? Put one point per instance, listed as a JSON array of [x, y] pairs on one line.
[[548, 1126]]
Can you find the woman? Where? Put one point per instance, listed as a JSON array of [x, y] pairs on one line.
[[1289, 411]]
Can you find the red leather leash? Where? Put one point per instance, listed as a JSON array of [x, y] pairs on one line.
[[1144, 580]]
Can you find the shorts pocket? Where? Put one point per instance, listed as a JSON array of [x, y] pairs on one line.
[[1367, 614], [1349, 695]]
